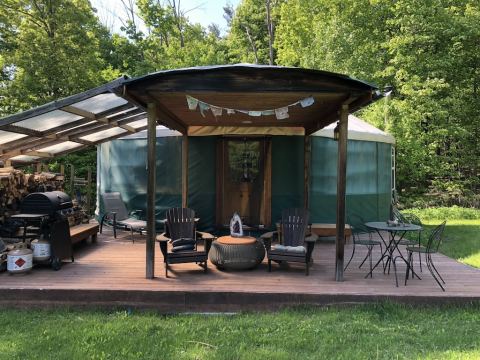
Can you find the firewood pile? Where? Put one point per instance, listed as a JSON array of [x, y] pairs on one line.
[[16, 184]]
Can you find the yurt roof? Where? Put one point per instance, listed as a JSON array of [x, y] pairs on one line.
[[358, 130]]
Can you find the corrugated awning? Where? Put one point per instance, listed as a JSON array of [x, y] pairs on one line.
[[70, 124]]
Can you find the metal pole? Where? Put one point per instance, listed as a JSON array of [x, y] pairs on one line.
[[151, 189], [341, 192]]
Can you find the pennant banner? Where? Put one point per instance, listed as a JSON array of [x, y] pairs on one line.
[[280, 113]]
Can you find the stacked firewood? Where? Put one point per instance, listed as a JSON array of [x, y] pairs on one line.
[[15, 185]]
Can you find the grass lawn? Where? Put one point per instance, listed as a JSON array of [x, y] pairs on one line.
[[461, 240], [384, 331]]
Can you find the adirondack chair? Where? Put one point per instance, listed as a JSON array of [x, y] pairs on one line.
[[180, 232], [297, 245], [117, 216]]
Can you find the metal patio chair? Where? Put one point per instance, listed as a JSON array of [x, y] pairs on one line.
[[117, 216], [415, 239], [297, 243], [362, 235], [410, 239], [180, 232], [432, 247]]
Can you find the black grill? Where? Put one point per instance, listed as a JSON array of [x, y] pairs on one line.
[[49, 203], [55, 206]]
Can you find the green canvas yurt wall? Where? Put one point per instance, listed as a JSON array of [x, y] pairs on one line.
[[122, 167]]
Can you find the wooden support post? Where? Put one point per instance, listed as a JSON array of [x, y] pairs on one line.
[[307, 159], [62, 169], [185, 171], [151, 189], [39, 168], [89, 190], [341, 192]]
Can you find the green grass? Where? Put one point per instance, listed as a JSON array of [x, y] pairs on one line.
[[446, 213], [461, 240], [384, 331]]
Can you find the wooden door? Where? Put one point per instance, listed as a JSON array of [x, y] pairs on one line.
[[243, 183]]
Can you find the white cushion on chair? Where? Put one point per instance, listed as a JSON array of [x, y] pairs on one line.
[[290, 249]]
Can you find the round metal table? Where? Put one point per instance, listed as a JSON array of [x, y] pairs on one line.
[[397, 232]]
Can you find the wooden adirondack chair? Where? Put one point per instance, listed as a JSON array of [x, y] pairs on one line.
[[180, 232], [297, 245]]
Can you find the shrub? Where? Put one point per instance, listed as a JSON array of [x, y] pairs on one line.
[[445, 213]]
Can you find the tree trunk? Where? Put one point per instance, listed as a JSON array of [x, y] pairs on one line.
[[270, 32], [252, 43]]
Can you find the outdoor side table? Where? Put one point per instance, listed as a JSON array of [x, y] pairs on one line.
[[236, 253], [396, 234]]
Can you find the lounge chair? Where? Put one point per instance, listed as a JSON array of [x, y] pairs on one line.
[[117, 216], [297, 245], [180, 232]]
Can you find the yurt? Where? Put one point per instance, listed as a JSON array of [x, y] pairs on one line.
[[254, 175]]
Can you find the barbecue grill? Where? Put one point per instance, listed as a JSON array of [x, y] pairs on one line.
[[51, 203], [47, 212]]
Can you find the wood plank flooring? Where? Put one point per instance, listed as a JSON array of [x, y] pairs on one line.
[[111, 272]]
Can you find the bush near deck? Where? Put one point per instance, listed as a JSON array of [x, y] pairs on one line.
[[384, 331]]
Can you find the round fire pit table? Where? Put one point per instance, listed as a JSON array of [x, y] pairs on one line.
[[236, 253]]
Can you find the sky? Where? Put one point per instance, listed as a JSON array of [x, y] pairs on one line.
[[204, 12]]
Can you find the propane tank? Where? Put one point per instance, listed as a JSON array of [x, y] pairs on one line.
[[41, 250], [19, 260]]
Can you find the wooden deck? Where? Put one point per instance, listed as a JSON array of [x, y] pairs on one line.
[[111, 273]]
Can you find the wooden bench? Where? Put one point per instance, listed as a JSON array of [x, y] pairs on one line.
[[83, 232], [326, 230]]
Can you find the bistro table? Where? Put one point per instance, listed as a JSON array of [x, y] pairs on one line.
[[396, 234]]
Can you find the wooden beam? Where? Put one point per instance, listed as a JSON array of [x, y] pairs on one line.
[[37, 153], [307, 159], [27, 149], [80, 112], [167, 118], [341, 192], [151, 189], [185, 171], [219, 180], [266, 208]]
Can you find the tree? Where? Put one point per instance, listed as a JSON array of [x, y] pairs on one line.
[[55, 51], [429, 52], [252, 31]]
